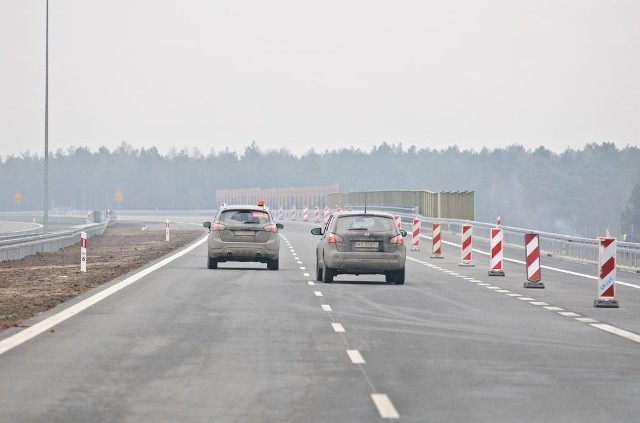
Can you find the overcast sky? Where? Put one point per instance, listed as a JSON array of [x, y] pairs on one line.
[[307, 75]]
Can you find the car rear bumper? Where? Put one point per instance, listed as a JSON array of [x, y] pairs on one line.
[[246, 252], [359, 263]]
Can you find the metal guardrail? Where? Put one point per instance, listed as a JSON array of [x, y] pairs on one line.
[[16, 248], [574, 248]]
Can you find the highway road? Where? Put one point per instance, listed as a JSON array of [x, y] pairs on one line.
[[244, 344]]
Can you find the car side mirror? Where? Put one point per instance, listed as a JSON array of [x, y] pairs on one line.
[[279, 226], [316, 231], [403, 233], [207, 225]]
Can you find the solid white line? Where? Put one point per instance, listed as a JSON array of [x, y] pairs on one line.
[[337, 327], [326, 307], [623, 333], [45, 325], [385, 406], [318, 293], [356, 357]]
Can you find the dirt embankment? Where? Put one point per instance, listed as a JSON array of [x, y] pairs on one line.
[[37, 283]]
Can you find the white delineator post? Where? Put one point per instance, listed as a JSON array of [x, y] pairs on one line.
[[607, 278], [415, 244], [466, 248], [34, 218], [532, 251], [496, 253], [436, 240], [167, 229], [83, 251]]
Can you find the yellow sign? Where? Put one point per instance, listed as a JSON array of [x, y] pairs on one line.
[[119, 197], [17, 198]]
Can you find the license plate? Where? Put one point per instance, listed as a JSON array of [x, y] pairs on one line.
[[244, 233], [366, 244]]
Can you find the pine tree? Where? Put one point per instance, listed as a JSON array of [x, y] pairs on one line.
[[630, 221]]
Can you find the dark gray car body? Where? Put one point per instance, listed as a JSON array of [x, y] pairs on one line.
[[360, 243]]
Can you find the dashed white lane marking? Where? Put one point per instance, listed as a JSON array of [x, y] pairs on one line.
[[608, 328], [306, 275], [45, 325], [337, 327], [299, 262], [326, 307], [312, 283], [356, 357], [623, 333], [303, 268], [318, 293], [569, 314], [385, 406]]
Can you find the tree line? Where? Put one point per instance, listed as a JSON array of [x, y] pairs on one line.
[[581, 192]]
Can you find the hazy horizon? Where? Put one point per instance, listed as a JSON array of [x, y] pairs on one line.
[[302, 76]]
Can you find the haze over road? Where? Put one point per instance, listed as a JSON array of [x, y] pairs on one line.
[[244, 344]]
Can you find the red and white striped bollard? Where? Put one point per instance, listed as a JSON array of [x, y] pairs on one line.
[[466, 246], [532, 252], [607, 278], [436, 239], [495, 264], [415, 242], [316, 215], [293, 213], [326, 214], [398, 221], [305, 214]]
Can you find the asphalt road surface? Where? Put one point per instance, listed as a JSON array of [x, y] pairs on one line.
[[244, 344]]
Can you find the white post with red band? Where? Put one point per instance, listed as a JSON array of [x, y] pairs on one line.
[[415, 241], [436, 238], [532, 252], [280, 213], [305, 214], [495, 264], [326, 214], [83, 251], [293, 212], [607, 278], [398, 221], [466, 246], [166, 229], [316, 215]]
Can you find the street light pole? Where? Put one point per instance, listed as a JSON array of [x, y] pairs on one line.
[[46, 127]]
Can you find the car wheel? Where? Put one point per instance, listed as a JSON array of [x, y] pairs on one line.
[[328, 275], [318, 272], [273, 264], [212, 263], [398, 277]]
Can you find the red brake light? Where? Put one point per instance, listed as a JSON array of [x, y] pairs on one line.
[[271, 228], [398, 239], [218, 227], [334, 238]]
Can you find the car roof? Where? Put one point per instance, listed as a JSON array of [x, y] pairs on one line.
[[362, 213], [244, 207]]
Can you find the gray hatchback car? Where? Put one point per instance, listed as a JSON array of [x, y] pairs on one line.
[[360, 243], [243, 233]]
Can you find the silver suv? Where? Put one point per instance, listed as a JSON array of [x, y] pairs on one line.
[[244, 233], [360, 243]]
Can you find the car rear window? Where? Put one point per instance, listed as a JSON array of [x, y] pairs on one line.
[[245, 216], [369, 223]]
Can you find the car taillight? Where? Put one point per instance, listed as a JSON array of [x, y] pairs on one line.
[[218, 227], [398, 239], [334, 238], [271, 228]]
